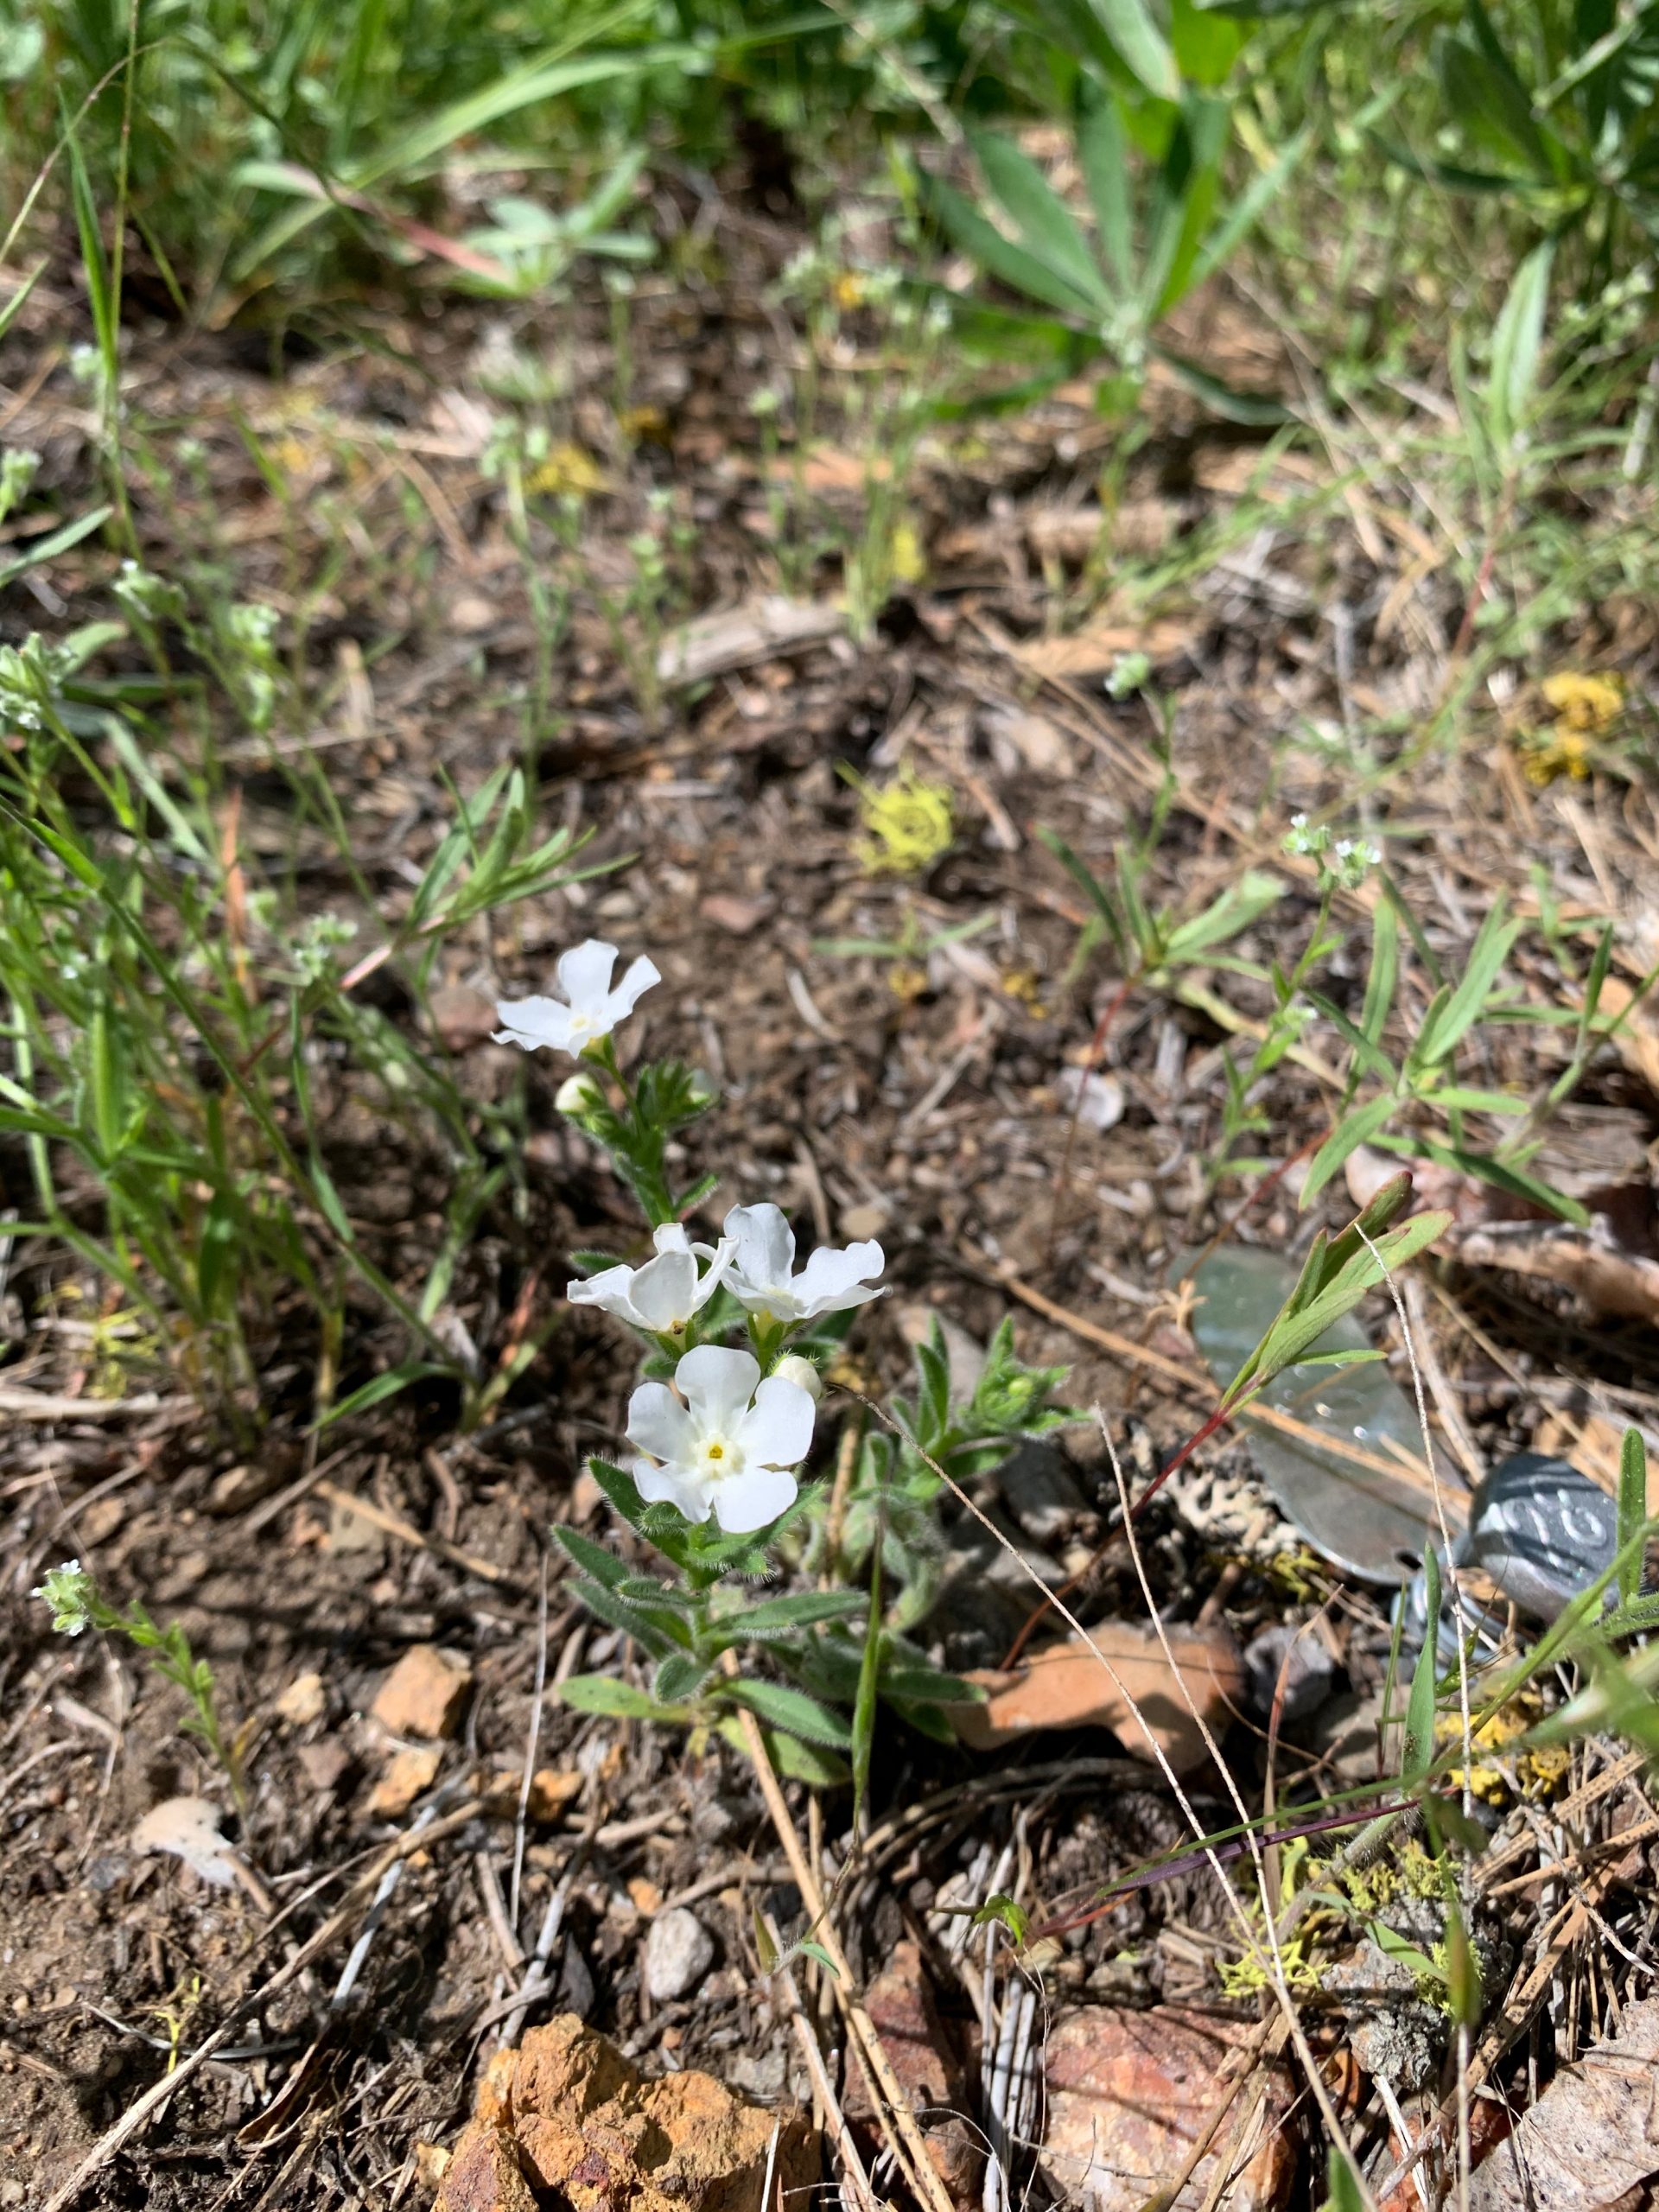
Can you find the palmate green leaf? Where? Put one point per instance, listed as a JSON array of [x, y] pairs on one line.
[[1104, 156], [999, 256], [1044, 223]]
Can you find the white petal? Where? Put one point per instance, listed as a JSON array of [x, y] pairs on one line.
[[717, 1384], [777, 1431], [609, 1290], [831, 1280], [658, 1423], [530, 1022], [671, 1486], [585, 974], [640, 975], [718, 1266], [672, 1237], [753, 1499], [766, 1246], [665, 1290]]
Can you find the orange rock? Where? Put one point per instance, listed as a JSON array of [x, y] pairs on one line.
[[1130, 2094], [585, 2127], [1067, 1687], [424, 1693], [407, 1776], [485, 2175]]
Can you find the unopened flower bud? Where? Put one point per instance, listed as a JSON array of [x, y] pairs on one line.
[[578, 1094], [801, 1372]]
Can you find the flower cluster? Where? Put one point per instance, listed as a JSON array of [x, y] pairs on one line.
[[723, 1442], [1344, 862]]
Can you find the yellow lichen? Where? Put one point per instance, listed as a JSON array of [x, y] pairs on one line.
[[909, 824]]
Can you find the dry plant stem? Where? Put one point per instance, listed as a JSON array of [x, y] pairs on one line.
[[522, 1821], [834, 1518], [1281, 1985], [407, 1533], [857, 2181], [1316, 2081], [160, 2093], [1465, 2154], [898, 2121]]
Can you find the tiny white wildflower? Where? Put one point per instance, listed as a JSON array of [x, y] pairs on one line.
[[763, 1275], [726, 1444], [66, 1589], [662, 1295], [590, 1008]]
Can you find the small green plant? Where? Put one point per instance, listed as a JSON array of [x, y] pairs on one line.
[[721, 1431], [77, 1604], [1109, 293]]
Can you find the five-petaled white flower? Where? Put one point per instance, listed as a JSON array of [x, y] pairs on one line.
[[593, 1008], [763, 1273], [728, 1448], [663, 1294]]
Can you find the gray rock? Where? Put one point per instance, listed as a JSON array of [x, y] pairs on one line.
[[679, 1951], [1308, 1679], [1543, 1532], [1042, 1492]]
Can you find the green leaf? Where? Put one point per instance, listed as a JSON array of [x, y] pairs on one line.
[[382, 1387], [810, 1950], [1517, 341], [1418, 1752], [59, 541], [1449, 1020], [679, 1678], [1242, 904], [797, 1761], [999, 256], [658, 1631], [604, 1693], [220, 1233], [599, 1565], [1134, 35], [1104, 156], [1632, 1512], [1003, 1911], [1044, 221], [1353, 1130], [1343, 2191], [779, 1616], [793, 1712]]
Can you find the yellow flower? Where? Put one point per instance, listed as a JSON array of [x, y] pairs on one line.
[[568, 469], [1584, 702], [1562, 750], [849, 290], [905, 555], [909, 822]]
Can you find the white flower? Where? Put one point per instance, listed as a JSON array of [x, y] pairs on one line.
[[662, 1295], [763, 1275], [593, 1008], [794, 1369], [728, 1450], [66, 1589]]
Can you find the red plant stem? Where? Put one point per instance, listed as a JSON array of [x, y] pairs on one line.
[[1198, 1436], [1190, 1861]]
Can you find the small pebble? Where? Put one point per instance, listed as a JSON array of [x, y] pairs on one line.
[[679, 1951]]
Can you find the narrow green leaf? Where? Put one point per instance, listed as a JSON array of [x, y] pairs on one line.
[[779, 1614], [1517, 341], [600, 1566], [1104, 156], [1134, 35], [1632, 1512], [999, 256], [1448, 1021], [1353, 1130], [793, 1712], [1044, 223], [383, 1387], [603, 1694]]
